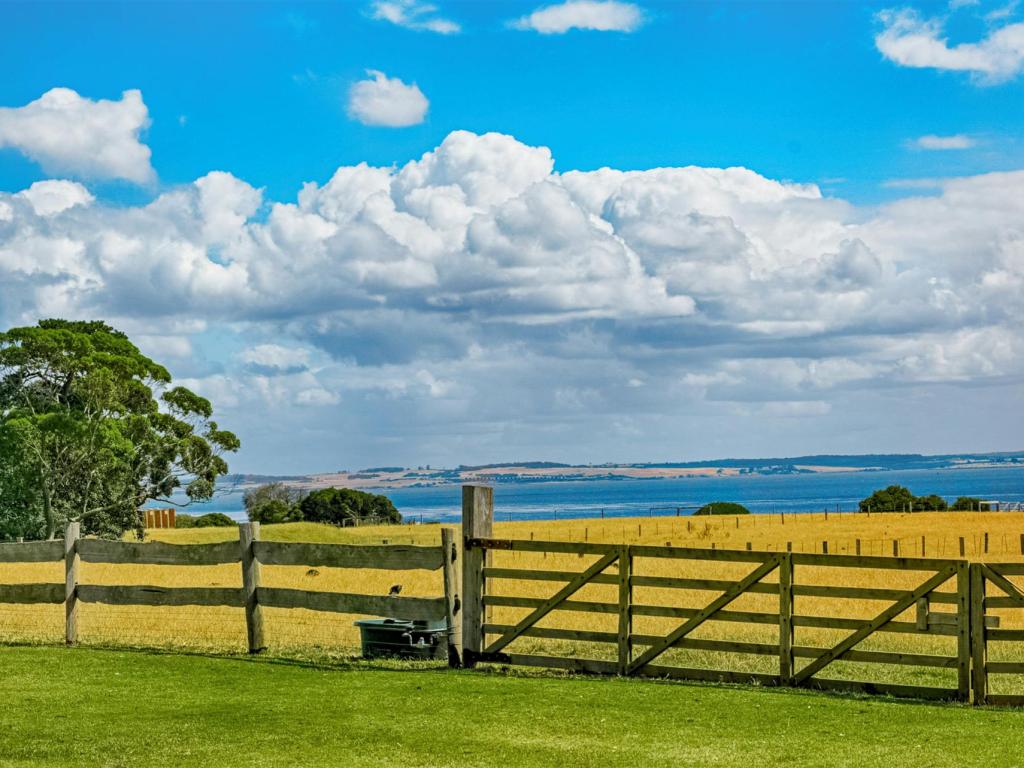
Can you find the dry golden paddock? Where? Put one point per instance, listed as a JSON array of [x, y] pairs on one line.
[[305, 632]]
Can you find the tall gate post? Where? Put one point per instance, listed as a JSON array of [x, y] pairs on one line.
[[477, 523], [71, 560], [979, 675], [963, 638], [453, 617], [625, 634], [786, 619]]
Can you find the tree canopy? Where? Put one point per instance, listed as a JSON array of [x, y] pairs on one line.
[[272, 503], [897, 498], [90, 429], [338, 505]]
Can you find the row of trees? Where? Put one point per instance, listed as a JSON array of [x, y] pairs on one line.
[[897, 498], [279, 503], [91, 429]]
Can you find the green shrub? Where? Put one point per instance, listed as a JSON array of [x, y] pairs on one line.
[[209, 520], [967, 504], [722, 508]]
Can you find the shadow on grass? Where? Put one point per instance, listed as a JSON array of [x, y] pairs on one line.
[[352, 662]]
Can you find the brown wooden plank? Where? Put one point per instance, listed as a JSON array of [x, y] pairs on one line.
[[786, 618], [72, 564], [248, 535], [747, 617], [1005, 667], [712, 585], [149, 595], [1005, 700], [526, 574], [1004, 635], [963, 644], [580, 606], [452, 603], [704, 614], [388, 557], [477, 521], [706, 644], [874, 561], [690, 553], [896, 627], [552, 602], [865, 593], [707, 675], [557, 547], [1007, 569], [588, 666], [32, 552], [396, 607], [31, 593], [874, 624], [157, 552], [555, 633], [625, 634], [979, 678], [882, 657], [1004, 584]]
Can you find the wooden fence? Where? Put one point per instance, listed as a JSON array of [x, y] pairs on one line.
[[944, 599], [251, 553]]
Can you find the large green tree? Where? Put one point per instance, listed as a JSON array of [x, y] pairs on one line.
[[90, 429]]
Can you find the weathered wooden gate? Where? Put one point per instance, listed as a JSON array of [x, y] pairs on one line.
[[932, 601], [994, 597]]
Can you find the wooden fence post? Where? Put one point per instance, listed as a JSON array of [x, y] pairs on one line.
[[247, 534], [963, 639], [786, 619], [477, 523], [451, 596], [625, 637], [71, 560], [979, 675]]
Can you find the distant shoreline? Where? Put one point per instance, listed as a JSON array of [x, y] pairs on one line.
[[391, 478]]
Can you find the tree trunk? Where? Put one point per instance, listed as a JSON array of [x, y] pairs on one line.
[[51, 527]]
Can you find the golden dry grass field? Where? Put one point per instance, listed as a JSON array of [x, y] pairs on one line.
[[306, 632]]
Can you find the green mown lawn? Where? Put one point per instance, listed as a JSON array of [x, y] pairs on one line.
[[84, 707]]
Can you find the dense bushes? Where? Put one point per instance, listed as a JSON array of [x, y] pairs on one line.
[[722, 508], [209, 520], [338, 505], [967, 504], [278, 503], [896, 498]]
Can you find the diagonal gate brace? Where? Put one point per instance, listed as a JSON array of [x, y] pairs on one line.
[[875, 624], [1003, 583], [553, 602], [703, 615]]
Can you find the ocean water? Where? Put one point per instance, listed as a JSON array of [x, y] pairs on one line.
[[622, 498]]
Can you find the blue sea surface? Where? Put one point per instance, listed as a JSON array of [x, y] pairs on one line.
[[621, 498]]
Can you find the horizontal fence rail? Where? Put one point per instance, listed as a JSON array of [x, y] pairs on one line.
[[252, 553]]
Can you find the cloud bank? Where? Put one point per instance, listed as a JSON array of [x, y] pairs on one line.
[[475, 304]]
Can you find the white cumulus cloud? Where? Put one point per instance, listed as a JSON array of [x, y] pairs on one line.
[[412, 14], [69, 134], [933, 142], [387, 101], [910, 40], [595, 15]]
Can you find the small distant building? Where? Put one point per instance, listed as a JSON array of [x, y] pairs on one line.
[[158, 518]]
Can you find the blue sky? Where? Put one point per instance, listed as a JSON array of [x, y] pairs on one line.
[[853, 287]]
